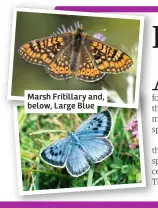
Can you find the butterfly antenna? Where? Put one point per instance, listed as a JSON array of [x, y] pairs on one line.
[[103, 30], [71, 19], [89, 30]]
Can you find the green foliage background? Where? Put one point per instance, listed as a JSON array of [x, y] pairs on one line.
[[36, 131], [120, 33]]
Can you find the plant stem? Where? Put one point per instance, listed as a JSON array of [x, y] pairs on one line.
[[48, 131], [44, 172], [102, 178], [124, 124], [90, 175]]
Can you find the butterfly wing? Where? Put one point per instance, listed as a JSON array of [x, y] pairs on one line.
[[107, 58], [87, 69], [77, 163], [51, 52], [97, 149], [57, 154], [60, 68], [98, 125]]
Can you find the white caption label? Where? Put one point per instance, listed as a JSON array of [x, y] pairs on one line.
[[59, 101]]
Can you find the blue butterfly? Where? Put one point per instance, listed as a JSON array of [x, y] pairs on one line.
[[88, 143]]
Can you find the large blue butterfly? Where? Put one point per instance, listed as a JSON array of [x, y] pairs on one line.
[[88, 143]]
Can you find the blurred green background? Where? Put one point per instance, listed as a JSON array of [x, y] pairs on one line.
[[121, 33], [37, 131]]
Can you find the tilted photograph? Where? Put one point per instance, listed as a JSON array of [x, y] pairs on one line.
[[76, 51], [79, 152]]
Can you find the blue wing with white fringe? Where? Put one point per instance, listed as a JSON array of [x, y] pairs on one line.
[[98, 125], [88, 143]]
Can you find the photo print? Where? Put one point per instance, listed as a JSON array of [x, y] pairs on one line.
[[57, 50]]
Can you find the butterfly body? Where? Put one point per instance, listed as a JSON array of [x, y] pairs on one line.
[[78, 40], [73, 137], [76, 46], [75, 54], [87, 143]]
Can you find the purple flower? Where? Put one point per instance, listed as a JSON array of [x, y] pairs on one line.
[[99, 36], [63, 29], [76, 25], [132, 126], [132, 146], [135, 133]]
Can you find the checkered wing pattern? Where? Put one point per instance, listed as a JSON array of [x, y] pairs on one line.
[[87, 69], [107, 58], [65, 55], [52, 52]]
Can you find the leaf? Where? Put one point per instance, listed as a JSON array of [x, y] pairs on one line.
[[138, 178], [115, 166], [118, 162], [125, 169]]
